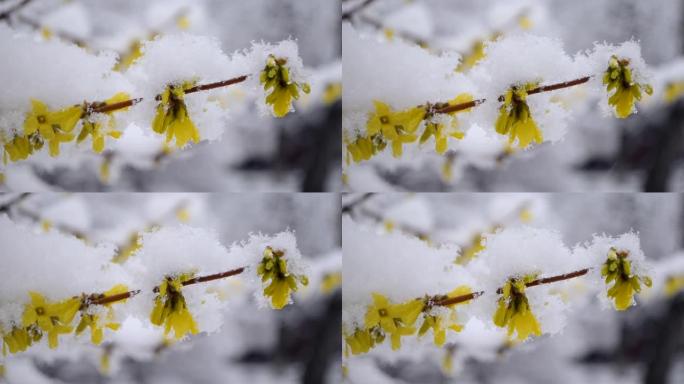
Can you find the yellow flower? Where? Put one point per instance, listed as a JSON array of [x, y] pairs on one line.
[[515, 119], [273, 267], [332, 92], [171, 310], [51, 318], [360, 341], [54, 127], [94, 128], [18, 340], [19, 148], [397, 320], [477, 53], [95, 322], [133, 54], [440, 323], [172, 116], [673, 91], [396, 127], [133, 245], [363, 148], [470, 252], [618, 269], [276, 77], [674, 284], [331, 281], [514, 310], [618, 77]]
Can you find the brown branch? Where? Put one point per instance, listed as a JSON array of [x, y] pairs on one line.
[[533, 283], [102, 300], [102, 107], [545, 88]]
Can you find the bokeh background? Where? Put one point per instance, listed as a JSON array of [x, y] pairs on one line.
[[642, 345], [299, 344]]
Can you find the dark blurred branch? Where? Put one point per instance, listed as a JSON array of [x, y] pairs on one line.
[[7, 205], [349, 13], [668, 146], [669, 335], [8, 12]]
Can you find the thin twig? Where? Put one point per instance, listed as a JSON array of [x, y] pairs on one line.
[[102, 108], [102, 300], [533, 283], [545, 88]]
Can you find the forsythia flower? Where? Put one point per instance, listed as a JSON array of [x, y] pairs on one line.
[[171, 310], [19, 148], [673, 91], [440, 323], [360, 341], [514, 310], [51, 318], [396, 127], [618, 77], [674, 284], [94, 128], [363, 148], [276, 76], [55, 127], [332, 92], [18, 340], [618, 269], [172, 116], [331, 281], [394, 319], [273, 266], [515, 119], [94, 321]]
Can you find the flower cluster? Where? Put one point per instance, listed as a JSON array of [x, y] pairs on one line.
[[170, 309], [617, 269], [514, 310], [283, 282], [276, 77], [618, 77]]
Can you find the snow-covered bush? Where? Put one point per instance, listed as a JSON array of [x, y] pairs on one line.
[[55, 287], [435, 280]]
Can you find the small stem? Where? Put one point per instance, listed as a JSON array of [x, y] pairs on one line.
[[13, 9], [101, 108], [533, 283], [101, 300], [347, 208], [545, 88]]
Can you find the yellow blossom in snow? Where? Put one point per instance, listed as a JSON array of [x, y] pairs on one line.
[[170, 308], [515, 119], [283, 282], [55, 127], [95, 129], [617, 269], [514, 310], [96, 322], [51, 318], [395, 320], [361, 341], [172, 117], [619, 77], [276, 77], [398, 128]]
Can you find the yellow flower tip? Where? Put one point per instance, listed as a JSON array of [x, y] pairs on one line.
[[276, 77], [274, 268], [332, 93], [514, 312], [515, 118], [359, 342], [172, 117], [331, 281], [673, 285], [617, 269], [170, 308], [618, 77]]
